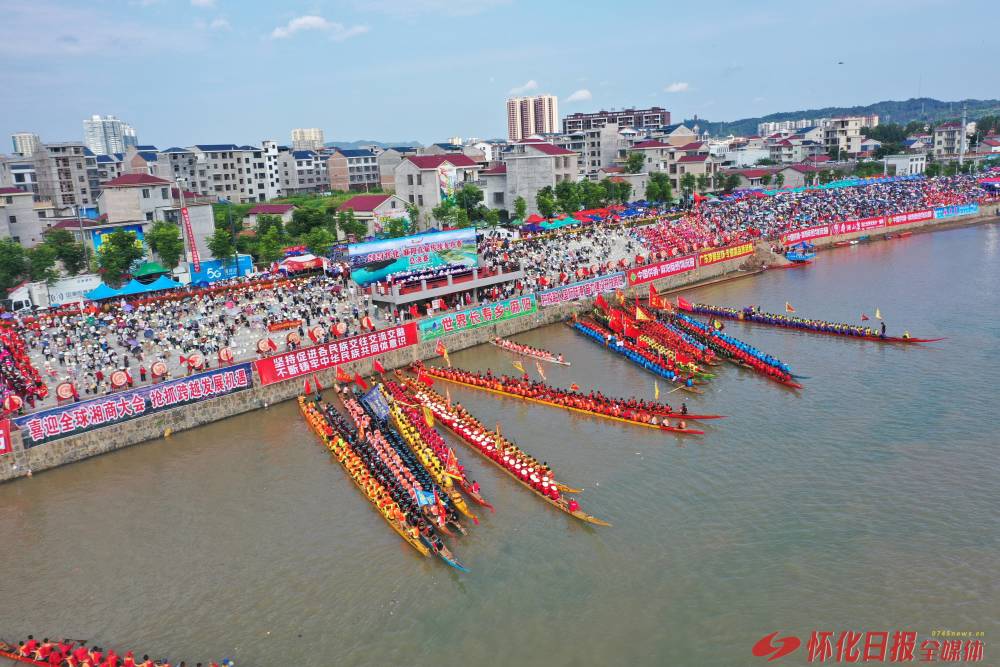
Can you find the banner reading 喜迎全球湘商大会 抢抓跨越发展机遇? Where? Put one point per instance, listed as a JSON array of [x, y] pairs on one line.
[[74, 418]]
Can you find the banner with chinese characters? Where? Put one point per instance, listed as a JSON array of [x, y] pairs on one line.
[[472, 318], [722, 254], [670, 267], [805, 234], [304, 361], [955, 211], [5, 446], [862, 225], [907, 218], [376, 260], [582, 289], [76, 418]]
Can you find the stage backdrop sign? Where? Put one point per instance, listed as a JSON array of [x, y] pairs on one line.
[[374, 260]]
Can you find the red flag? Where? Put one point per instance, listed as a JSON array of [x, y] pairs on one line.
[[629, 331], [377, 365], [425, 378], [308, 388], [414, 311], [358, 380], [319, 387], [574, 387], [683, 303], [601, 303], [864, 318], [440, 348], [615, 324], [789, 308], [342, 375], [654, 298]]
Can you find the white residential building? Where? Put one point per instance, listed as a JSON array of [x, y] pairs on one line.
[[107, 134], [25, 143], [307, 139]]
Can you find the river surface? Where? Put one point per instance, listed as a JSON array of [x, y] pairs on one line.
[[867, 501]]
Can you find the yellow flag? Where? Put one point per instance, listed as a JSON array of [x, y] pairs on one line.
[[447, 393], [517, 364], [640, 315], [428, 417], [878, 315], [538, 367], [656, 390]]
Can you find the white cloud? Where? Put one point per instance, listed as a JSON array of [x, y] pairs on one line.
[[527, 86], [582, 95], [218, 23], [203, 3], [338, 32], [677, 87]]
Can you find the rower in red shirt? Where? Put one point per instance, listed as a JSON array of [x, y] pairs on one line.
[[128, 660], [80, 654], [29, 648]]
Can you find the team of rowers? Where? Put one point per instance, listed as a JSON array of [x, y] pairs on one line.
[[737, 350], [394, 467], [633, 409], [393, 507], [527, 350], [74, 653], [755, 314], [495, 446], [441, 460]]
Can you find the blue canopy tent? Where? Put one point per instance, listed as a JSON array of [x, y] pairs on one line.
[[162, 283], [133, 288], [101, 292]]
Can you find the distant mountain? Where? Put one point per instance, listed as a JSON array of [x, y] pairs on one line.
[[371, 142], [889, 111]]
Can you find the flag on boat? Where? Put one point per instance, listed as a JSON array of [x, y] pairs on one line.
[[620, 295], [601, 303], [654, 299], [864, 318], [424, 498], [358, 380], [425, 378], [538, 367], [447, 395], [378, 367], [308, 389], [789, 308], [319, 387], [428, 417], [656, 390], [878, 314], [683, 303], [443, 351], [640, 314], [518, 365], [342, 375]]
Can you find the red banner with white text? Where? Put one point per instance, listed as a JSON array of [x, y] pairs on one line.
[[907, 218], [186, 219], [805, 234], [298, 363], [5, 446], [862, 225], [670, 267]]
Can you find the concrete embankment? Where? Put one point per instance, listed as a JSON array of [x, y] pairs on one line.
[[153, 427]]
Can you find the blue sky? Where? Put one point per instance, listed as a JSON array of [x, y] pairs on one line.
[[199, 71]]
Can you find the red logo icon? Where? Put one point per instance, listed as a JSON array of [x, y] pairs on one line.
[[780, 646]]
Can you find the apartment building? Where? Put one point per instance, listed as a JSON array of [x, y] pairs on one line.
[[639, 119], [25, 143], [387, 162], [307, 139], [106, 134], [67, 174], [353, 169], [235, 173], [527, 116], [424, 180], [842, 136], [947, 139], [16, 172], [597, 147], [302, 172], [528, 166], [21, 219]]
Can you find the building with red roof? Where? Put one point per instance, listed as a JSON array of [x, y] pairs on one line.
[[424, 180], [283, 211], [376, 210], [529, 166]]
